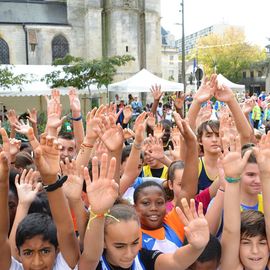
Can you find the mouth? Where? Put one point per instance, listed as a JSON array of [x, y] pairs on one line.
[[153, 217], [255, 259]]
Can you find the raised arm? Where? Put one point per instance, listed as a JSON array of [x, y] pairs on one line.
[[225, 94], [5, 253], [102, 192], [197, 234], [233, 166], [33, 119], [157, 94], [27, 188], [189, 184], [205, 92], [75, 106], [131, 169], [262, 153], [47, 159]]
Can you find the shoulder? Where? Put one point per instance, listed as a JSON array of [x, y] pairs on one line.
[[148, 258], [15, 265]]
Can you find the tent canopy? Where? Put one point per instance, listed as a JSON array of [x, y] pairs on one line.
[[142, 82], [36, 87], [222, 80]]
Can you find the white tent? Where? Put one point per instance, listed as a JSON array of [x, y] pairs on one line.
[[142, 82], [237, 87], [35, 73]]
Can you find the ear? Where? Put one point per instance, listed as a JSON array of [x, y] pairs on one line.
[[170, 184], [18, 252]]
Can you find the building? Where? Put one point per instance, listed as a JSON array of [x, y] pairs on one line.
[[191, 40], [169, 57], [38, 31]]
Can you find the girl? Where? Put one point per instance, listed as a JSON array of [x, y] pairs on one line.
[[108, 244]]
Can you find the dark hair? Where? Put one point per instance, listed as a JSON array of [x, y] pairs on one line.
[[252, 157], [126, 152], [212, 251], [40, 204], [121, 211], [175, 165], [252, 224], [145, 185], [267, 127], [24, 160], [36, 224], [166, 124], [66, 136]]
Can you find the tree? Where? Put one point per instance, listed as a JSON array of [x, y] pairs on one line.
[[228, 54], [82, 73], [8, 79]]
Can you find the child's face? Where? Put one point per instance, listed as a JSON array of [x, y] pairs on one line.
[[254, 252], [122, 244], [210, 141], [176, 184], [250, 179], [35, 253], [150, 207]]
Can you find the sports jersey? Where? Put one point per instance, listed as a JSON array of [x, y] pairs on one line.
[[167, 238], [148, 173], [204, 180], [145, 260]]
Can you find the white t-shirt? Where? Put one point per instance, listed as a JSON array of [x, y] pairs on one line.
[[60, 264]]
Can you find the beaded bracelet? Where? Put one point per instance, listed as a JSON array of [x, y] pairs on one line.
[[232, 179]]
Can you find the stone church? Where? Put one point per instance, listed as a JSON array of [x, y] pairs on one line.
[[36, 32]]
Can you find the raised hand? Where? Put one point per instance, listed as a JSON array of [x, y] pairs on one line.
[[27, 186], [158, 131], [110, 133], [248, 105], [74, 101], [128, 133], [175, 153], [207, 89], [74, 184], [102, 191], [14, 147], [224, 93], [4, 157], [22, 127], [156, 92], [178, 101], [154, 147], [175, 133], [127, 111], [196, 226], [32, 116], [151, 120], [12, 118], [262, 152], [233, 163], [92, 124], [47, 157], [6, 143], [139, 120]]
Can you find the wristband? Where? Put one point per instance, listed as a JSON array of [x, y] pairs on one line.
[[137, 146], [59, 183], [232, 179], [76, 119]]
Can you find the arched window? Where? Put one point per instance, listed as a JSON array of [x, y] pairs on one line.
[[60, 47], [4, 52]]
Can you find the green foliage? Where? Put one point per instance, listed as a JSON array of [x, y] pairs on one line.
[[8, 79], [228, 54], [82, 73]]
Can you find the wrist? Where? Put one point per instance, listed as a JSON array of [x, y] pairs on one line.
[[23, 205], [233, 179], [76, 114], [126, 120]]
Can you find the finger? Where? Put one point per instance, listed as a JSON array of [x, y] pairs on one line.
[[22, 178], [95, 169], [186, 209], [200, 210], [112, 167], [86, 177], [38, 187], [28, 177], [193, 208], [246, 156], [182, 216], [103, 166], [17, 180]]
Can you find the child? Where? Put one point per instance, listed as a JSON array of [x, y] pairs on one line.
[[109, 244]]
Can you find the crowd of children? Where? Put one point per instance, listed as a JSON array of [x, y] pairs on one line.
[[152, 191]]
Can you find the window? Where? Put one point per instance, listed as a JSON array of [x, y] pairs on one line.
[[60, 47], [171, 57], [4, 52], [171, 73], [244, 74], [252, 74], [259, 73]]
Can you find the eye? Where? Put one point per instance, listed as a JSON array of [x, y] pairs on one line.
[[160, 202], [145, 203], [263, 242], [27, 252], [245, 242], [45, 251], [119, 247]]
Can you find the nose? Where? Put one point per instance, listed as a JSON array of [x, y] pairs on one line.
[[215, 137], [153, 207], [37, 260], [254, 249], [257, 180]]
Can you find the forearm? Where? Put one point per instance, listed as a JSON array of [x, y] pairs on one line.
[[93, 244], [85, 152], [266, 198], [193, 113], [12, 133], [165, 160], [214, 213], [154, 106], [78, 129], [117, 155], [68, 242], [21, 213], [131, 169], [35, 129], [81, 216], [181, 259], [241, 122]]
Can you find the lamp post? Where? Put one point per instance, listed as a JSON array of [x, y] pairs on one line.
[[183, 54]]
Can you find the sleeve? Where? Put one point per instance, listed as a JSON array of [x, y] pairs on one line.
[[204, 198], [15, 265], [148, 258], [61, 264]]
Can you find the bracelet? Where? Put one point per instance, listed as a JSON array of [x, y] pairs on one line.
[[232, 179], [93, 215], [137, 146], [59, 183], [76, 119], [87, 145], [222, 190]]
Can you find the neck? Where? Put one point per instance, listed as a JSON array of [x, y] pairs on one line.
[[247, 199], [211, 159]]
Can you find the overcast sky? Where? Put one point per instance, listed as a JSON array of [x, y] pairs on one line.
[[253, 15]]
